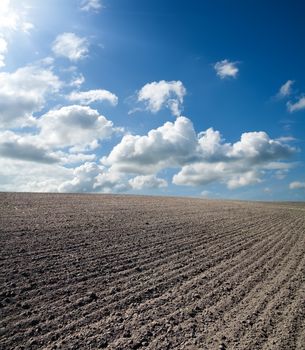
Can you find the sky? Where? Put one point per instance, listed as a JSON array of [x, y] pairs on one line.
[[183, 98]]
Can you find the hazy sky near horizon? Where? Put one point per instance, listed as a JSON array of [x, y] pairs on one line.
[[198, 98]]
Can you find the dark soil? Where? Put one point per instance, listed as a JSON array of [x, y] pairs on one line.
[[132, 272]]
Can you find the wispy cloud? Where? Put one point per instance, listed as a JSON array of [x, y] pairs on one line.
[[296, 106], [88, 97], [77, 80], [91, 5], [285, 89]]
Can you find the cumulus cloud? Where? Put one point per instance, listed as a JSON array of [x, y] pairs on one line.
[[239, 164], [16, 147], [198, 174], [226, 69], [71, 46], [297, 185], [172, 144], [146, 181], [91, 177], [248, 178], [296, 106], [29, 147], [91, 5], [109, 181], [234, 175], [157, 95], [77, 126], [21, 175], [285, 89], [211, 146], [88, 97], [204, 158], [257, 147], [24, 92], [84, 179]]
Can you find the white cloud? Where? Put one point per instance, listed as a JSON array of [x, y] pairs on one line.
[[47, 61], [204, 158], [280, 175], [198, 174], [286, 89], [225, 69], [29, 147], [248, 178], [90, 177], [211, 146], [267, 190], [84, 179], [88, 5], [16, 146], [236, 165], [109, 181], [26, 27], [234, 175], [8, 16], [147, 181], [286, 139], [3, 51], [87, 97], [20, 175], [71, 46], [74, 126], [258, 147], [77, 80], [205, 194], [13, 18], [297, 106], [161, 94], [297, 185], [73, 158], [24, 92], [170, 145]]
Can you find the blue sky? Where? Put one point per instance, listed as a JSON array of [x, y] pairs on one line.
[[197, 98]]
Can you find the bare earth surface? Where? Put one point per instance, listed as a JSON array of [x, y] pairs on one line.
[[128, 272]]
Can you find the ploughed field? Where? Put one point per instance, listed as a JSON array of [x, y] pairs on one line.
[[133, 272]]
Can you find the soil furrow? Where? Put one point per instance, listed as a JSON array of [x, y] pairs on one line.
[[131, 272]]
